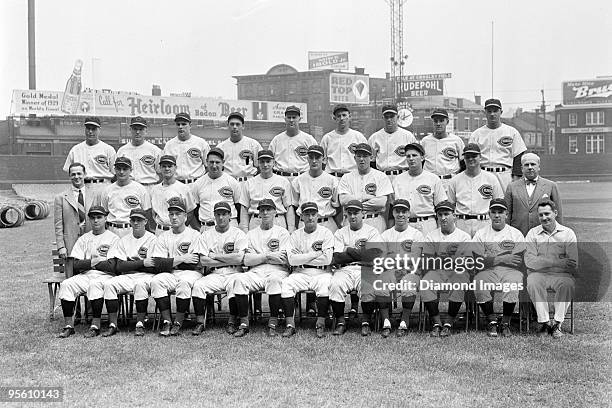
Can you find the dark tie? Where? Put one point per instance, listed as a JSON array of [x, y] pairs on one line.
[[532, 182], [81, 207]]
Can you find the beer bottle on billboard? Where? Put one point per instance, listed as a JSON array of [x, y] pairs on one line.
[[72, 93]]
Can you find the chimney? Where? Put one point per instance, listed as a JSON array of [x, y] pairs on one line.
[[460, 103], [387, 75], [360, 71], [156, 91], [478, 99]]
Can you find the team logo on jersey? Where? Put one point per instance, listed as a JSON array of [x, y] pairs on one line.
[[101, 159], [325, 192], [400, 151], [147, 160], [132, 201], [507, 245], [486, 191], [273, 244], [103, 250], [370, 188], [194, 153], [452, 249], [228, 247], [424, 189], [407, 245], [246, 154], [142, 252], [317, 245], [450, 153], [360, 243], [226, 192], [277, 191], [352, 147], [301, 151], [183, 247], [505, 141]]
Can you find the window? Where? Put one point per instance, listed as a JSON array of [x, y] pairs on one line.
[[558, 120], [573, 144], [467, 124], [595, 118], [594, 144], [455, 127], [476, 123], [573, 119]]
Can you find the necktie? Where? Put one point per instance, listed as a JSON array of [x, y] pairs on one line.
[[81, 207], [530, 182]]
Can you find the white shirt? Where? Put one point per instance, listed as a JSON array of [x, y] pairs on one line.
[[129, 247], [161, 193], [190, 156], [89, 244], [423, 192], [145, 161], [363, 187], [498, 147], [99, 159], [547, 253], [240, 157], [442, 155], [388, 148], [120, 200], [276, 188], [291, 152], [322, 190], [340, 150], [472, 195], [208, 191]]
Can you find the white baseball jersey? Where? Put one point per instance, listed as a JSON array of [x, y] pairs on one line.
[[489, 242], [447, 245], [365, 186], [89, 244], [262, 241], [340, 150], [190, 155], [291, 152], [472, 195], [231, 241], [131, 248], [161, 193], [120, 200], [321, 239], [99, 159], [442, 155], [498, 147], [240, 157], [389, 152], [276, 188], [423, 192], [409, 241], [171, 245], [322, 190], [207, 192], [145, 161], [346, 237]]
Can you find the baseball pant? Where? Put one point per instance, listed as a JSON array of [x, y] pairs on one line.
[[505, 276], [179, 282], [90, 282], [96, 188], [443, 276], [139, 283], [120, 232], [425, 226], [279, 220], [409, 284], [562, 284], [344, 280], [221, 279], [329, 224], [306, 279], [471, 226], [260, 277]]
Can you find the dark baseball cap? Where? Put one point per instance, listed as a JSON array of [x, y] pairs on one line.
[[471, 148], [340, 107], [415, 146], [445, 205], [217, 151], [363, 147], [265, 154], [309, 206], [138, 213], [389, 109], [316, 149], [92, 120], [177, 203], [401, 203], [354, 204], [439, 112], [183, 116], [499, 203], [222, 206], [493, 102], [266, 202], [97, 210], [138, 121], [167, 159], [123, 161], [236, 115], [292, 109]]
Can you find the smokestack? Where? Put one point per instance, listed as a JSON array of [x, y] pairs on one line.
[[31, 45], [478, 99], [156, 91]]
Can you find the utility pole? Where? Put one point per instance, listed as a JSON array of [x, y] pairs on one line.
[[545, 138], [31, 45], [398, 59]]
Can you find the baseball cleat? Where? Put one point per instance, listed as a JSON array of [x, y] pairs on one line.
[[112, 330], [401, 332], [352, 313], [386, 331], [365, 329], [272, 331], [241, 332], [543, 330], [66, 332], [198, 329], [176, 329], [446, 331], [492, 329], [92, 332], [340, 330], [289, 331], [230, 329], [505, 330], [556, 332], [140, 331], [320, 330], [281, 314], [165, 330], [435, 331]]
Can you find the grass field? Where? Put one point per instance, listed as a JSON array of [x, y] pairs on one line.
[[464, 370]]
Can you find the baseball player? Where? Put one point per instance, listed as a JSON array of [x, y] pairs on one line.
[[552, 262], [369, 186], [143, 154], [401, 239], [222, 251], [266, 185], [443, 150], [189, 150], [91, 269], [176, 267], [471, 191], [266, 257], [310, 252], [421, 188], [350, 255], [122, 196], [444, 243], [388, 144], [339, 144], [290, 148], [501, 145], [162, 193], [97, 157], [134, 272], [240, 151], [502, 248]]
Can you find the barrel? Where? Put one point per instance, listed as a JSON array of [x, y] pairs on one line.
[[36, 210], [11, 216]]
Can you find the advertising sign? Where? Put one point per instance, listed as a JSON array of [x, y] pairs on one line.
[[588, 91], [319, 60], [349, 88], [412, 86]]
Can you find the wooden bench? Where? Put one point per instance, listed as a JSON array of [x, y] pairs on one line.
[[53, 280]]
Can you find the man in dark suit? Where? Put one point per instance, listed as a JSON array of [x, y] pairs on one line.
[[524, 194]]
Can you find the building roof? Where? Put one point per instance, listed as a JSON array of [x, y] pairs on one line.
[[431, 102]]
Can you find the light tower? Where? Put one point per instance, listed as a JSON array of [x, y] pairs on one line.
[[398, 59]]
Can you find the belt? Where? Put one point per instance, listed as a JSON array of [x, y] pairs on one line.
[[208, 223], [256, 215], [95, 180], [496, 169], [149, 184], [117, 224], [473, 217], [393, 172], [242, 178], [446, 177], [163, 227], [371, 215], [214, 268], [337, 173], [189, 181], [322, 219], [354, 264], [311, 266], [417, 219], [284, 173]]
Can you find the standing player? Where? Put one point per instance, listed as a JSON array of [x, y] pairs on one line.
[[189, 150], [471, 191], [339, 144], [96, 156], [143, 154], [291, 147], [388, 144], [240, 151], [422, 189], [501, 145]]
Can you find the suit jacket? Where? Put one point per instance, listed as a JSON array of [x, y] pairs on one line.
[[523, 210], [66, 216]]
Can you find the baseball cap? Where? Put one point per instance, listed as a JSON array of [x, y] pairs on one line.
[[415, 146], [316, 149], [92, 120], [222, 206], [217, 151], [309, 206], [354, 204], [138, 213], [266, 202], [340, 107], [123, 161], [439, 112], [389, 109], [177, 203], [292, 109], [265, 154], [445, 205], [401, 203], [182, 116], [236, 115], [363, 147], [167, 159], [138, 121], [492, 102], [471, 148], [498, 202], [97, 209]]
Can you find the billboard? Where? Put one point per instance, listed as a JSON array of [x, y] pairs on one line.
[[319, 60], [349, 88], [412, 86], [587, 91], [127, 104]]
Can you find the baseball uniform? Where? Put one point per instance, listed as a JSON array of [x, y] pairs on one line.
[[190, 156], [145, 162], [322, 190], [389, 152], [208, 191], [339, 150], [160, 195], [98, 160], [290, 153], [442, 156], [276, 188], [119, 201], [240, 157]]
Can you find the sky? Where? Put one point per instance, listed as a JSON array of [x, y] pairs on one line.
[[197, 46]]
